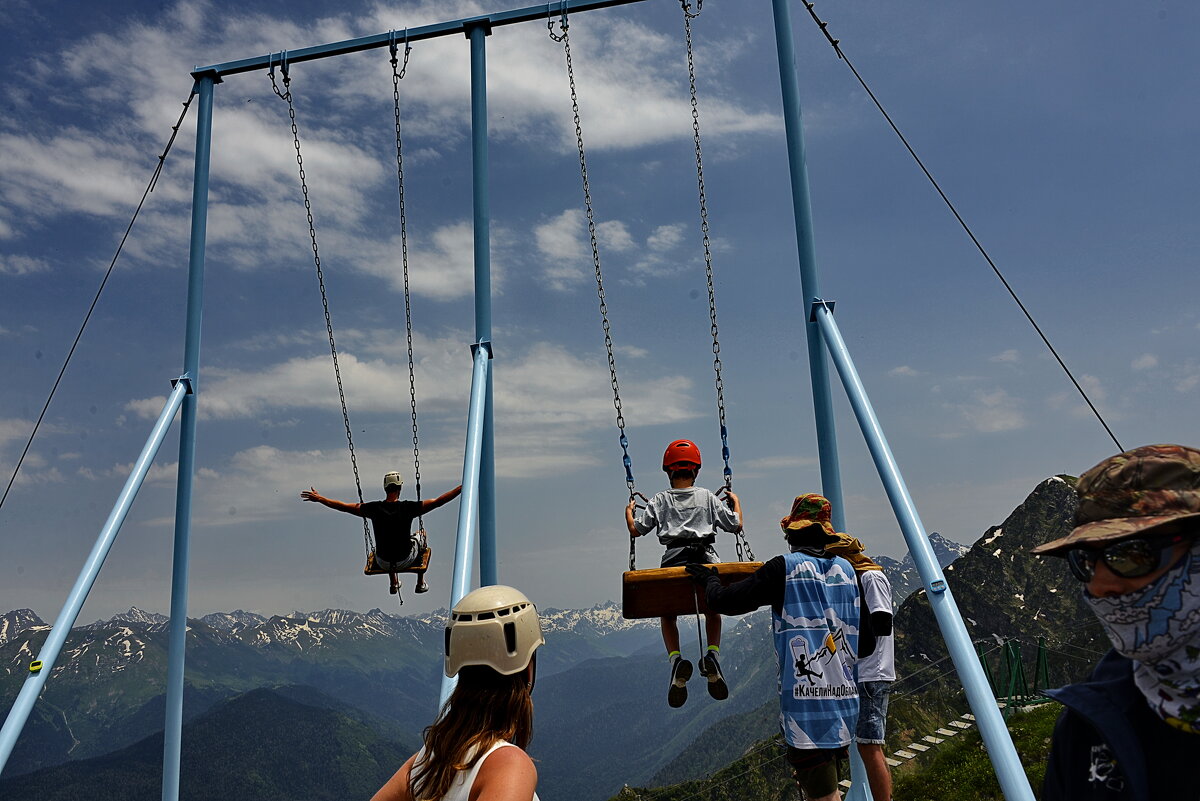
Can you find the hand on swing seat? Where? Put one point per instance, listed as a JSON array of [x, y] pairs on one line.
[[700, 573]]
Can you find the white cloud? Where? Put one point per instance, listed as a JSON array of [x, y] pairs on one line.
[[1092, 386], [1010, 356], [442, 268], [661, 257], [13, 431], [545, 382], [22, 265], [903, 370], [665, 237], [628, 84], [1145, 362], [560, 239], [613, 235], [563, 241], [993, 412], [1189, 378], [769, 464], [157, 474]]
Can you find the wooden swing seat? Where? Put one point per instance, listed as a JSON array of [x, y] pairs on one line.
[[667, 591], [372, 568]]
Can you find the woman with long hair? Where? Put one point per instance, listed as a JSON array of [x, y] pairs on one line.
[[475, 750]]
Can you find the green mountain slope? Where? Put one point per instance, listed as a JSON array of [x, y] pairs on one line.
[[1003, 591], [259, 745]]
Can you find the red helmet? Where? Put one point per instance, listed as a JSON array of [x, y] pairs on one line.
[[681, 451]]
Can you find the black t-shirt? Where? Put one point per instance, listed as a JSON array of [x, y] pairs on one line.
[[392, 521]]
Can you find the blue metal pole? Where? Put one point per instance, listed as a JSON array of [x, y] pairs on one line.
[[477, 32], [177, 635], [495, 19], [40, 669], [831, 480], [464, 563], [1013, 781]]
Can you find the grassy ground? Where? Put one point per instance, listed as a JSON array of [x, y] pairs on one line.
[[961, 769]]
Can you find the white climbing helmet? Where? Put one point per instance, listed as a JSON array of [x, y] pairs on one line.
[[392, 479], [495, 626]]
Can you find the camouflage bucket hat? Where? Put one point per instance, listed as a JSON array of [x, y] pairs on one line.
[[809, 511], [1132, 493]]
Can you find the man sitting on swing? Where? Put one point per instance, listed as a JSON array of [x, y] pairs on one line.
[[396, 547]]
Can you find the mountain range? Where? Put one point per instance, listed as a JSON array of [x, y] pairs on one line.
[[903, 573], [1002, 592], [371, 677]]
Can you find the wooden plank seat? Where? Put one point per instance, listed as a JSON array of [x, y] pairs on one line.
[[666, 591], [373, 569]]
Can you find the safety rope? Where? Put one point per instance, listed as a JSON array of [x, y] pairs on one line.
[[286, 96], [187, 104], [740, 542], [835, 43], [398, 72]]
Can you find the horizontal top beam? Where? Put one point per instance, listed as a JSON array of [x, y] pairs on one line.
[[543, 11]]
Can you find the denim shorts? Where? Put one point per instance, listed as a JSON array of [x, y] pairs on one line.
[[872, 711]]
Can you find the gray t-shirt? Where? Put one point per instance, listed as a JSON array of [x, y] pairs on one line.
[[687, 513]]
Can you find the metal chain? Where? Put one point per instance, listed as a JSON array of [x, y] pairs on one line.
[[286, 95], [397, 74], [688, 16], [740, 542], [564, 37], [743, 544]]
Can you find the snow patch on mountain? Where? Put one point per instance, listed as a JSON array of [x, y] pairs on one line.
[[14, 622]]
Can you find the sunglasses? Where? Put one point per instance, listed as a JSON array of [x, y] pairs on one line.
[[1130, 558]]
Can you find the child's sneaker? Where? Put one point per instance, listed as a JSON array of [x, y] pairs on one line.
[[681, 671], [710, 668]]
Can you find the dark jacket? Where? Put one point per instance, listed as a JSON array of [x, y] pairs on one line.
[[1110, 746]]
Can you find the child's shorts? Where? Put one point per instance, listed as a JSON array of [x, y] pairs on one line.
[[699, 553]]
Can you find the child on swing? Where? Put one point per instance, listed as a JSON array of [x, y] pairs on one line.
[[686, 517]]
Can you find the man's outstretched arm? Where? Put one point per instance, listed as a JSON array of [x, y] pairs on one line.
[[429, 504], [311, 494], [763, 587]]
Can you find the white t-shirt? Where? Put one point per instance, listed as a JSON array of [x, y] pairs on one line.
[[881, 664], [685, 513]]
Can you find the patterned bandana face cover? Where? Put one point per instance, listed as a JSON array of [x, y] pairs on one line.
[[1158, 627]]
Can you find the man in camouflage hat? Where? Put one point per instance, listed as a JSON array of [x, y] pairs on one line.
[[1131, 731]]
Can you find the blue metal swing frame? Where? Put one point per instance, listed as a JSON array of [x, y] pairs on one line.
[[477, 516]]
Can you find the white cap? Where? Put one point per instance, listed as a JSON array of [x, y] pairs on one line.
[[392, 479], [495, 626]]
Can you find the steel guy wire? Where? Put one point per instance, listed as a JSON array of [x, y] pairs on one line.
[[103, 282], [835, 43]]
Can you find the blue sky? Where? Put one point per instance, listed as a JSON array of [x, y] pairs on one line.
[[1065, 132]]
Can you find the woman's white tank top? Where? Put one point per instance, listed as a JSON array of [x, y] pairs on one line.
[[460, 789]]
